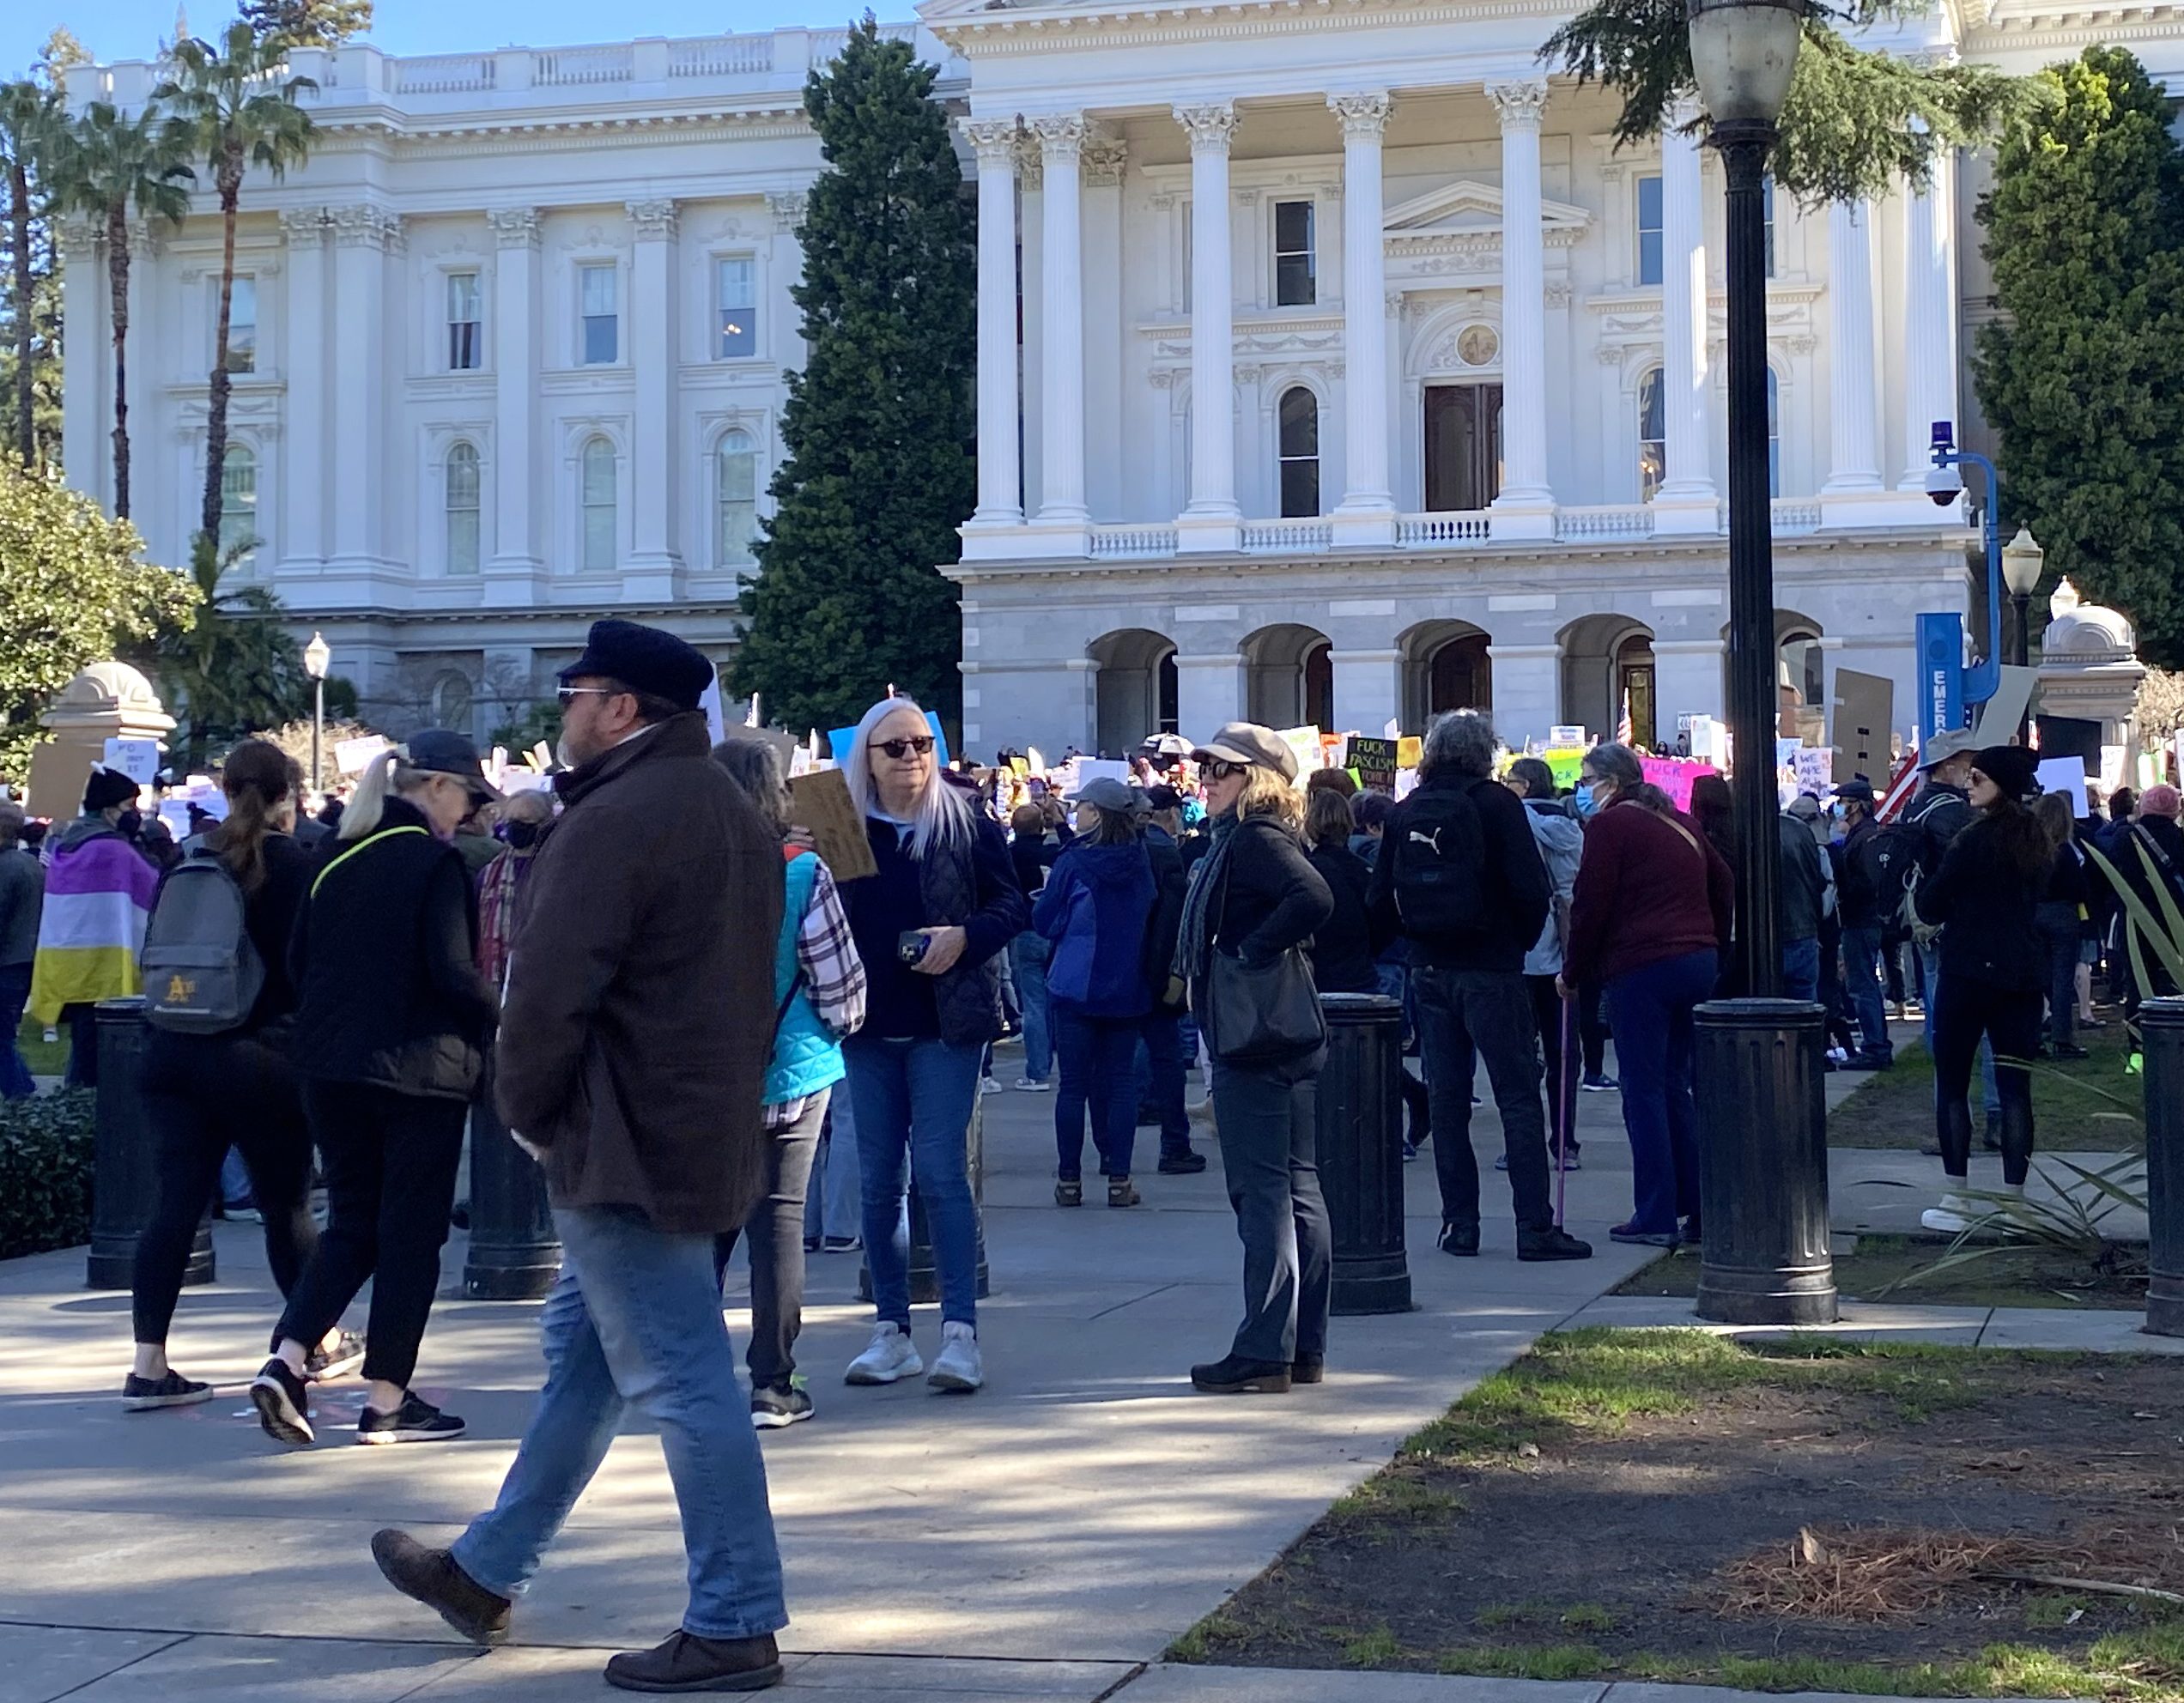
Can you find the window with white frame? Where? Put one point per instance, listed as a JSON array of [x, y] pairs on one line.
[[596, 483], [1653, 434], [1773, 437], [242, 323], [1649, 230], [1767, 213], [600, 328], [465, 305], [736, 285], [462, 508], [1295, 266], [1299, 434], [736, 478], [239, 503]]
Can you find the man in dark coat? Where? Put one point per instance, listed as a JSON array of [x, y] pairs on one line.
[[635, 1039]]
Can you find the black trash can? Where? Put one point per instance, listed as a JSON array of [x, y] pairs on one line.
[[124, 1165], [2162, 1023], [1359, 1131], [924, 1274], [514, 1253], [1760, 1074]]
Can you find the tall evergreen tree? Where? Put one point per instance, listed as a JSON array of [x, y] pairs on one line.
[[878, 425], [2083, 376]]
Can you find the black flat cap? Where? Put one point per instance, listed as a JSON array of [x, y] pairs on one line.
[[644, 659]]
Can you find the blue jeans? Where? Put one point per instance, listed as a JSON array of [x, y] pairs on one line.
[[1028, 954], [1861, 956], [913, 1100], [832, 1205], [1650, 1010], [1099, 1057], [635, 1321], [1801, 969], [1163, 1086], [15, 994]]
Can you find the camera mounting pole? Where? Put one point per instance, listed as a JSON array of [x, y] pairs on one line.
[[1984, 678]]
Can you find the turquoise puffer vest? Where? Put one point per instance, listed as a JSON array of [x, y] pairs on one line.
[[806, 1055]]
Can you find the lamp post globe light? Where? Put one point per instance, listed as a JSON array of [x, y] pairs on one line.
[[318, 656], [2022, 560]]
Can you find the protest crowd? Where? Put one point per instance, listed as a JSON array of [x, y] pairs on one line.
[[726, 989]]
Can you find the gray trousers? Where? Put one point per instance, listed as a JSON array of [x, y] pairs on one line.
[[835, 1206], [1268, 1151], [775, 1231]]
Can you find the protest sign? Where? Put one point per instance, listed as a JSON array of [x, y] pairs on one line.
[[820, 802], [709, 701], [1374, 762], [1089, 769], [138, 759], [2000, 715], [1304, 746], [1865, 712], [1392, 729], [1814, 768], [515, 781], [1562, 762], [1675, 779], [354, 756], [1565, 737], [1409, 749], [2066, 775]]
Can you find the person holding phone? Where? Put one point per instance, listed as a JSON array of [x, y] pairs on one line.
[[929, 927]]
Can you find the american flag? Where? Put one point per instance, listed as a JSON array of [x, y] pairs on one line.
[[1625, 733], [1902, 784]]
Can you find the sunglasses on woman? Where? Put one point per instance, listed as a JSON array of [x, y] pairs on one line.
[[1218, 768], [900, 749]]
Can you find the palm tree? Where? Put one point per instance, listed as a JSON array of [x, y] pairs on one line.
[[238, 670], [235, 107], [28, 112], [108, 163]]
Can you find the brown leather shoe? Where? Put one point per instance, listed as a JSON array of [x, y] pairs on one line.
[[688, 1662], [431, 1577]]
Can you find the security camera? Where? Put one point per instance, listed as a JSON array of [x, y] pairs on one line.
[[1944, 484]]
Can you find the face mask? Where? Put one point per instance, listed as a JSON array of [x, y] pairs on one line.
[[521, 835], [128, 823], [1581, 800]]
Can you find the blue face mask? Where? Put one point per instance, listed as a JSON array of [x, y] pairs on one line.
[[1581, 800]]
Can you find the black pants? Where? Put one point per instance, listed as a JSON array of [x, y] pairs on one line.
[[390, 1160], [1591, 1029], [202, 1094], [776, 1230], [1963, 1011], [1464, 1016], [1267, 1116]]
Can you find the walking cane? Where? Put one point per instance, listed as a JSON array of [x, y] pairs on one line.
[[1565, 1111]]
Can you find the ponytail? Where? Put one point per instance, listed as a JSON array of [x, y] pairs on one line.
[[255, 779], [369, 802]]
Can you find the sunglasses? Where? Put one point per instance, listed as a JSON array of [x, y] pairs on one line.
[[567, 693], [900, 749], [1219, 768]]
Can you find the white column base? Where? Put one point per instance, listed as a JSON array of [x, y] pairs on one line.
[[1368, 690], [1046, 540], [1208, 692], [1522, 515], [1209, 534], [1681, 513], [1369, 526], [656, 578], [995, 540], [1527, 690]]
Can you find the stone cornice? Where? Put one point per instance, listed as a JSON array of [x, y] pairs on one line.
[[385, 129], [1042, 29]]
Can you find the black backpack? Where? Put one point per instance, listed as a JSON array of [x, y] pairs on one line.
[[1885, 862], [1440, 864], [202, 973]]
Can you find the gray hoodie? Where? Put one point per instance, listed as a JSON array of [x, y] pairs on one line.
[[1561, 838]]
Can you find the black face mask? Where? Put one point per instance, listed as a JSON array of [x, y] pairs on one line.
[[128, 823], [521, 835]]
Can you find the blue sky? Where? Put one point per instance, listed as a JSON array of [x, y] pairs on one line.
[[128, 29]]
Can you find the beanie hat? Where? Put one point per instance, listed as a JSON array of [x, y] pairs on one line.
[[106, 788], [2163, 800], [2012, 768]]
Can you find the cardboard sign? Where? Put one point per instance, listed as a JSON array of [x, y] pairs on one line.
[[1409, 750], [820, 801], [1864, 713], [138, 759], [1562, 762], [1999, 716], [354, 756], [1374, 762], [1814, 768], [2066, 775], [1089, 769], [1304, 746], [1675, 779]]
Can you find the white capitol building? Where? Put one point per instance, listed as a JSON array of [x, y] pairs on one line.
[[511, 348]]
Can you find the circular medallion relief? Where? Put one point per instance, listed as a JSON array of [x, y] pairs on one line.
[[1478, 346]]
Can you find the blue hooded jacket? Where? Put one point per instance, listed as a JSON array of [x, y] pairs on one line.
[[1094, 907]]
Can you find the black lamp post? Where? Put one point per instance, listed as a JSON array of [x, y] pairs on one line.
[[317, 659], [2022, 558]]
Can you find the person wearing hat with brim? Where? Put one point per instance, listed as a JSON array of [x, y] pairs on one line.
[[1255, 896], [1094, 910], [99, 891], [1991, 968], [637, 1028]]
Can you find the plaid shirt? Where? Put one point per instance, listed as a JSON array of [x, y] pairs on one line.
[[829, 972]]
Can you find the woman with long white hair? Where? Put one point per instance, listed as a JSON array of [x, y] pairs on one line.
[[929, 927]]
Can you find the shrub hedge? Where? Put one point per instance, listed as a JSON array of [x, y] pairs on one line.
[[46, 1146]]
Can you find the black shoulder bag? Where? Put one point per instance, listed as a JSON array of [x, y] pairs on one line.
[[1259, 1015]]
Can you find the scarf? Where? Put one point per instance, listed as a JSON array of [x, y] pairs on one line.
[[1194, 937]]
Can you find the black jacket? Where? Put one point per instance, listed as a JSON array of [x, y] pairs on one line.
[[1342, 948], [385, 963], [1803, 886], [1986, 906], [1515, 877], [1938, 816], [1856, 902], [1275, 899], [1170, 882]]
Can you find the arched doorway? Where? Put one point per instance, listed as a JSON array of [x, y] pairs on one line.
[[1289, 677], [1133, 687], [1633, 687], [1603, 656], [1800, 676], [1445, 667]]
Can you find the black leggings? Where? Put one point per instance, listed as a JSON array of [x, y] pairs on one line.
[[202, 1094], [1562, 1071], [1963, 1011], [391, 1163]]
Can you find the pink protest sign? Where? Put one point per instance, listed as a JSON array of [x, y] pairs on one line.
[[1675, 777]]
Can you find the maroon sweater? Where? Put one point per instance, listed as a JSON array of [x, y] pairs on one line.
[[1645, 894]]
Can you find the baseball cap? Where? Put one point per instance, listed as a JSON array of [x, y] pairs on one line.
[[1247, 742], [439, 751], [1107, 793]]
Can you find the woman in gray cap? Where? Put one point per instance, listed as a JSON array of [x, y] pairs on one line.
[[1254, 897]]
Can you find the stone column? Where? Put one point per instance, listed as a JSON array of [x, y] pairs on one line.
[[1527, 690], [655, 569], [515, 563], [1106, 159], [1929, 340], [1061, 310], [999, 499], [1854, 451], [304, 366], [1686, 501], [1368, 690], [362, 236], [783, 341], [1209, 691], [1366, 519], [1212, 521], [1525, 508], [88, 351]]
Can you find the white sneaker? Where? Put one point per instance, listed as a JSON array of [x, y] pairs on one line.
[[1952, 1217], [891, 1357], [1027, 1086], [987, 1085], [957, 1366]]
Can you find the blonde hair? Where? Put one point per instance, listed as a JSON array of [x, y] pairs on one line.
[[1267, 794], [943, 817], [389, 771]]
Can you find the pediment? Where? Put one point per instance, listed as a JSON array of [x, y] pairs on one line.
[[1467, 209]]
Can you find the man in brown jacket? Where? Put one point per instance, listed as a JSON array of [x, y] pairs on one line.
[[633, 1042]]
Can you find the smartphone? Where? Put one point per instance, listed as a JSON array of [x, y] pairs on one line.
[[910, 946]]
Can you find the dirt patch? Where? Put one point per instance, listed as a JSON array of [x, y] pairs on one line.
[[1824, 1515], [2090, 1104], [1886, 1268]]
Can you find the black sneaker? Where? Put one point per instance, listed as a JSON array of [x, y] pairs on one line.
[[1233, 1375], [840, 1244], [416, 1421], [283, 1403], [1461, 1240], [1551, 1243], [169, 1390], [431, 1577], [347, 1353], [776, 1408], [1185, 1164], [1308, 1369]]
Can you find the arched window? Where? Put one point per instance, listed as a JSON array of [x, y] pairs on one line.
[[238, 503], [1773, 437], [598, 505], [1300, 451], [462, 503], [736, 472], [1653, 435], [451, 700]]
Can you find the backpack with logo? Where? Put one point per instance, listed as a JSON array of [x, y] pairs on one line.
[[1886, 862], [201, 973], [1440, 864]]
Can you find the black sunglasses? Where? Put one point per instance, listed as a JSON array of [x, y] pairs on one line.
[[1219, 768], [900, 749]]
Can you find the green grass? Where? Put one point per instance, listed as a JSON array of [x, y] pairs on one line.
[[2031, 1276], [44, 1058], [2079, 1106], [1376, 1649]]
